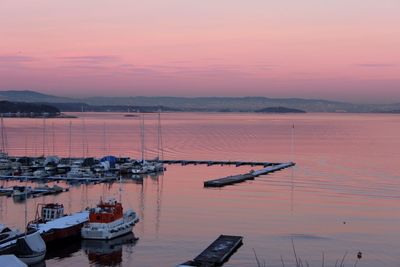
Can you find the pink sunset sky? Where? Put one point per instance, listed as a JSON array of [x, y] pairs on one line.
[[340, 49]]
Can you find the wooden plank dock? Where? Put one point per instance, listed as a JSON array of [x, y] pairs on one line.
[[215, 162], [217, 253], [247, 176]]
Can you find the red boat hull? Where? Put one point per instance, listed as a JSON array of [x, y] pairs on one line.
[[54, 235]]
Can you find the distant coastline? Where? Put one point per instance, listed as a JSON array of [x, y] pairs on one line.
[[194, 104]]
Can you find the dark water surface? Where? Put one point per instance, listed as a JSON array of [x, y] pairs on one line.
[[342, 197]]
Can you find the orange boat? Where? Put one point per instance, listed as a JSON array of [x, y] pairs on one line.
[[108, 221]]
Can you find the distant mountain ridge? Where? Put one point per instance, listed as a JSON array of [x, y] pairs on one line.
[[32, 96], [223, 104]]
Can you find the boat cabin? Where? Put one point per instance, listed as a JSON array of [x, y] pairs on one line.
[[51, 211], [106, 212]]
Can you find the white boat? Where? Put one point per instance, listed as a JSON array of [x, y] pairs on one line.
[[21, 192], [29, 247], [54, 225], [108, 221], [47, 190], [80, 173], [41, 173], [5, 164], [6, 191]]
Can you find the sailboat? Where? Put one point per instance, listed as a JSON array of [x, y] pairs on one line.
[[5, 163], [142, 166], [158, 165]]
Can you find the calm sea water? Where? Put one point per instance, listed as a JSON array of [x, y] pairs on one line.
[[342, 197]]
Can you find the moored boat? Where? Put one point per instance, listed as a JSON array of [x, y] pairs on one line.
[[108, 221], [20, 193], [29, 247], [54, 225]]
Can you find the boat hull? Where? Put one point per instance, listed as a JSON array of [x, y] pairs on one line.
[[67, 233], [107, 233], [29, 248], [32, 259]]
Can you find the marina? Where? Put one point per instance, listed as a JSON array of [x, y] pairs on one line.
[[114, 167]]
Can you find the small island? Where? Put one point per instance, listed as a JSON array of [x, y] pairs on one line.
[[279, 110]]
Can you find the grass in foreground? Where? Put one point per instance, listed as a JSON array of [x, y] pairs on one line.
[[303, 263]]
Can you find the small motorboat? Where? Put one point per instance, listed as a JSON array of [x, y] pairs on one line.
[[54, 225], [108, 221]]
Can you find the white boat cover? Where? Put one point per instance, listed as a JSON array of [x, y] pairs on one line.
[[64, 222], [11, 261]]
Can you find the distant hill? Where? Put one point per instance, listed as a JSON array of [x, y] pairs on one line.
[[218, 104], [78, 107], [32, 96], [279, 110], [231, 104]]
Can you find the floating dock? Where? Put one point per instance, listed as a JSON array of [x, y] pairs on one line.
[[247, 176], [215, 162], [217, 253]]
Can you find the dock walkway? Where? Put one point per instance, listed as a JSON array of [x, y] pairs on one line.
[[247, 176], [215, 162], [217, 253]]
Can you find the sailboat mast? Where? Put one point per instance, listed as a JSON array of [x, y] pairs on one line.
[[26, 207], [54, 138], [3, 142], [104, 139], [292, 144], [120, 187], [70, 141], [159, 139], [83, 137], [44, 136], [142, 136]]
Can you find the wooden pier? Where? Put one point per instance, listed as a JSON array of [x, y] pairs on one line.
[[217, 253], [247, 176], [215, 162]]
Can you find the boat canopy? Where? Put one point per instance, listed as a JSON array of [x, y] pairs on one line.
[[111, 159], [52, 159]]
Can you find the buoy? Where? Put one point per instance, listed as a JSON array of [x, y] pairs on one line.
[[359, 255]]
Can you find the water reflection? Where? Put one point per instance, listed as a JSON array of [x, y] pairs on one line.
[[63, 250], [39, 264], [108, 252], [347, 172]]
